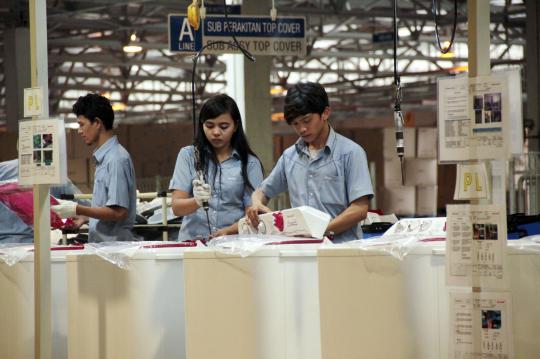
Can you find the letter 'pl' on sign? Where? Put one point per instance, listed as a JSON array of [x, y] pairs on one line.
[[258, 34], [472, 182], [33, 99]]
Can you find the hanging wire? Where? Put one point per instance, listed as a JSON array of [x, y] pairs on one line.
[[444, 50]]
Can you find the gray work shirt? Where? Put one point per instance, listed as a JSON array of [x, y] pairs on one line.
[[337, 176], [114, 185], [230, 195], [12, 228]]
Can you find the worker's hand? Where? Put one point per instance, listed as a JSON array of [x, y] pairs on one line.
[[65, 209], [76, 222], [201, 192], [219, 233], [253, 211]]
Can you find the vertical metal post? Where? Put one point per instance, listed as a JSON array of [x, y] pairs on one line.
[[42, 260]]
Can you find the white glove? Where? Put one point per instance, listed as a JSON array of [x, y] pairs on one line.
[[66, 209], [201, 192]]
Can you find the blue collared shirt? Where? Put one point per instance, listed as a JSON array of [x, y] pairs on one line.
[[9, 170], [12, 228], [230, 195], [337, 176], [114, 185]]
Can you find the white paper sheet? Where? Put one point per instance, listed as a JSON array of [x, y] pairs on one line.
[[476, 246], [480, 326], [481, 117], [42, 152]]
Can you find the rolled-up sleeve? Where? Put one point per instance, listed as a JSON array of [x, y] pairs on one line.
[[276, 182], [358, 180], [120, 175], [184, 171], [255, 176]]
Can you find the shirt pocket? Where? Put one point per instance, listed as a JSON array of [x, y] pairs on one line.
[[232, 189], [331, 189]]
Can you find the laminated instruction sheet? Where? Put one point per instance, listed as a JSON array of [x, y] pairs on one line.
[[481, 117], [476, 246], [480, 326], [42, 152]]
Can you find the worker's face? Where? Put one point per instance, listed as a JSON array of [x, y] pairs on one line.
[[219, 131], [89, 131], [311, 126]]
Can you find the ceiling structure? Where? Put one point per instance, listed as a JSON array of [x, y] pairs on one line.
[[85, 40]]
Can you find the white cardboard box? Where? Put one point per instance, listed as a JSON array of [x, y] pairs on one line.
[[421, 172], [426, 142], [426, 201], [389, 142], [400, 200], [392, 172]]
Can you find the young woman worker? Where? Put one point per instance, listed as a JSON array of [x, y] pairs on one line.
[[231, 172]]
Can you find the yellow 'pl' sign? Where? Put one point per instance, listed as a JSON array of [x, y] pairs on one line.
[[472, 182], [33, 100]]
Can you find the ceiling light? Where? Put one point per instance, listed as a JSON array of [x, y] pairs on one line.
[[119, 106], [132, 47]]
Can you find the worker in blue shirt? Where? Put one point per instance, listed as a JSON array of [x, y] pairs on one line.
[[112, 213], [229, 166], [12, 228], [323, 169]]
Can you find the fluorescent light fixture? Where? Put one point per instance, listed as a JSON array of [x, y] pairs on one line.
[[132, 47], [119, 106]]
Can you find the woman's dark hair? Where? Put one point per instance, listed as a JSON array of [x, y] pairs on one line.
[[94, 106], [215, 107], [304, 98]]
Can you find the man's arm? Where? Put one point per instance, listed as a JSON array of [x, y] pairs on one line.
[[110, 213], [354, 213]]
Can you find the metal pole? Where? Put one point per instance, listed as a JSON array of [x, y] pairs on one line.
[[42, 260]]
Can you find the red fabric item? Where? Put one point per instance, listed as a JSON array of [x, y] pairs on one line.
[[279, 222], [21, 201]]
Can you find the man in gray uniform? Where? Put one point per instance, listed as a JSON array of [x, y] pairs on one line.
[[112, 213]]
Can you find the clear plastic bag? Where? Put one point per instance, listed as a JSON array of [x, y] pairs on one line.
[[120, 253], [246, 244], [398, 246], [117, 253], [527, 244], [12, 253]]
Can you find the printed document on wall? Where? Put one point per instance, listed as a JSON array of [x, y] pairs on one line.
[[480, 326], [480, 118], [42, 152], [476, 246]]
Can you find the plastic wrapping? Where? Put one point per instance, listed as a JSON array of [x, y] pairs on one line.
[[12, 253], [117, 253], [246, 244], [527, 244], [120, 253], [398, 246]]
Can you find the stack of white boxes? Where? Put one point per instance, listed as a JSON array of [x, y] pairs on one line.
[[419, 195]]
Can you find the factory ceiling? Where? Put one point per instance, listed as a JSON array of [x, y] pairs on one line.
[[86, 39]]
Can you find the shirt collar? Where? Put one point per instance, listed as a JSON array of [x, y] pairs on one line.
[[100, 153], [234, 153], [301, 145]]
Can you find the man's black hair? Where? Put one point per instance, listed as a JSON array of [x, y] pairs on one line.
[[304, 98], [93, 106]]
